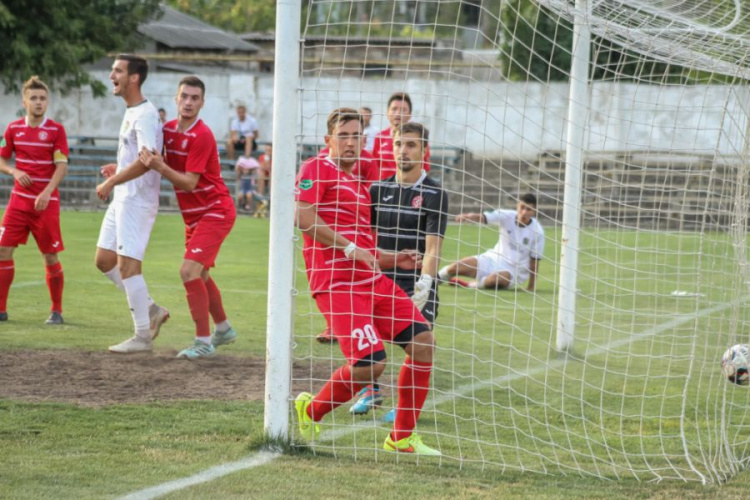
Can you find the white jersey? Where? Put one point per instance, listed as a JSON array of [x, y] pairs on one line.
[[140, 128], [517, 244]]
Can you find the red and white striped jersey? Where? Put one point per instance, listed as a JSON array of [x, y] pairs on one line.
[[194, 150], [37, 149]]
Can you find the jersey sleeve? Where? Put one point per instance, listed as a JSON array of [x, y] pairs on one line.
[[437, 215], [310, 184], [374, 198], [60, 151], [200, 153], [537, 250], [6, 145], [498, 217], [146, 129], [235, 125]]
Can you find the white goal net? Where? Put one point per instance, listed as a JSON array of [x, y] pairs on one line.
[[661, 276]]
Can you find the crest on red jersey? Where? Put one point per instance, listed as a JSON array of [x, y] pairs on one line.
[[416, 202], [43, 136], [184, 143]]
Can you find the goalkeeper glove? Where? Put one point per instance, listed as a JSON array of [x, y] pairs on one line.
[[422, 291]]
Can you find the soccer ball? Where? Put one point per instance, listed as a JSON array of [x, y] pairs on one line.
[[734, 364]]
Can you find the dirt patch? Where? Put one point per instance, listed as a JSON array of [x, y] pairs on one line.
[[100, 378]]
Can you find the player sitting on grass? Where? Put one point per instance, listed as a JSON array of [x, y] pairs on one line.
[[515, 258], [192, 166], [41, 149], [363, 307], [409, 212]]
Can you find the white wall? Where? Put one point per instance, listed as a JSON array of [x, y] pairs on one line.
[[489, 119]]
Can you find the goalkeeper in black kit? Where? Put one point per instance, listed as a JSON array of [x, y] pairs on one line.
[[409, 212]]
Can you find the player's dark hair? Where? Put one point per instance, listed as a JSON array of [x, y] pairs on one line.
[[34, 83], [401, 96], [342, 115], [193, 81], [137, 65], [415, 128], [369, 110], [529, 199], [162, 109]]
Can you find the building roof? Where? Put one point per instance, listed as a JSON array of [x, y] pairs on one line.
[[181, 31]]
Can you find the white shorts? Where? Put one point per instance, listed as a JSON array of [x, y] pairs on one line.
[[126, 229], [489, 263]]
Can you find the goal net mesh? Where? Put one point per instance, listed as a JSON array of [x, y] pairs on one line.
[[662, 278]]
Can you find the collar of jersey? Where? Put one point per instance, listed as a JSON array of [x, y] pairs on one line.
[[26, 122], [139, 104], [419, 181]]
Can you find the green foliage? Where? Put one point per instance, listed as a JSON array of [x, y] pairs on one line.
[[239, 16], [55, 38]]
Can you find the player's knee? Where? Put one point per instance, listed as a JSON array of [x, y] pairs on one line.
[[104, 263], [369, 372], [50, 259], [190, 272], [423, 347], [6, 253]]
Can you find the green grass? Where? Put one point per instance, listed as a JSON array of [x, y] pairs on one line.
[[503, 410]]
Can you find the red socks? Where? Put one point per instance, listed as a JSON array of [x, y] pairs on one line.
[[7, 271], [55, 282], [338, 390], [215, 306], [197, 298], [413, 386]]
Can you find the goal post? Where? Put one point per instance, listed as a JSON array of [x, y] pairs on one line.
[[630, 123]]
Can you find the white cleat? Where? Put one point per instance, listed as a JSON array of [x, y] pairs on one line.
[[158, 315], [132, 345]]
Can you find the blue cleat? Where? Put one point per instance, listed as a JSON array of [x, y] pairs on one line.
[[390, 417], [370, 398]]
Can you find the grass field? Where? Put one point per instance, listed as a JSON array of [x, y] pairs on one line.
[[512, 419]]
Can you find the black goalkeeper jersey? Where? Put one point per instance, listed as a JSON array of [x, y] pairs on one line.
[[402, 216]]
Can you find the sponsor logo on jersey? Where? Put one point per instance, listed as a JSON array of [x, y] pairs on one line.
[[20, 134], [387, 198], [305, 184], [525, 241], [417, 202], [196, 250], [43, 136]]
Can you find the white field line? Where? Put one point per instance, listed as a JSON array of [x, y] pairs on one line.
[[260, 458], [264, 457]]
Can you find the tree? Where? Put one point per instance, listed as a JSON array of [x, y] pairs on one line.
[[240, 16], [56, 38]]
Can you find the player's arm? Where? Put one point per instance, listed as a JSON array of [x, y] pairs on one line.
[[42, 200], [310, 223], [533, 269], [132, 171], [472, 217], [181, 180], [21, 176]]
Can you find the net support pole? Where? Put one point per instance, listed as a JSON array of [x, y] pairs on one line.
[[578, 109], [281, 241]]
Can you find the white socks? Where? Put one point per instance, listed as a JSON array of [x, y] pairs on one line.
[[443, 274], [138, 299], [115, 277]]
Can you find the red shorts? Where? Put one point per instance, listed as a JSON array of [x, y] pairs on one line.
[[361, 319], [20, 219], [202, 241]]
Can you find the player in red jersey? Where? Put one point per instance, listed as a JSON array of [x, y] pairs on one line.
[[398, 112], [192, 166], [41, 148], [363, 307]]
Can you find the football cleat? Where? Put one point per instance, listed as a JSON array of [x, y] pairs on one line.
[[158, 315], [308, 429], [370, 398], [3, 316], [132, 345], [412, 444], [198, 350], [326, 336], [390, 417], [223, 338], [54, 319]]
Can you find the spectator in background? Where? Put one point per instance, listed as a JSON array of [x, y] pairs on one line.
[[247, 171], [243, 133], [162, 116], [369, 131], [264, 176]]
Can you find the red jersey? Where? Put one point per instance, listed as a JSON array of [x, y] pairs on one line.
[[194, 150], [36, 149], [364, 170], [382, 153], [344, 204]]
